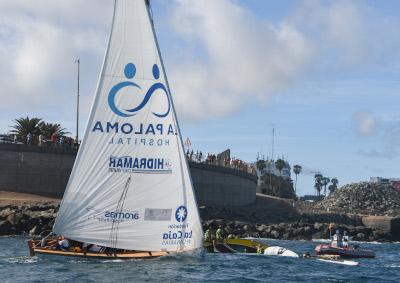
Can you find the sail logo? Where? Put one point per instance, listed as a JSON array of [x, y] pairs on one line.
[[112, 216], [181, 213], [121, 215], [130, 71], [129, 164]]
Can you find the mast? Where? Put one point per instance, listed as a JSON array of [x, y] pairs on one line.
[[273, 141], [78, 61]]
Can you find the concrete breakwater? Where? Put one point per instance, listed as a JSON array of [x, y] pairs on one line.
[[36, 219]]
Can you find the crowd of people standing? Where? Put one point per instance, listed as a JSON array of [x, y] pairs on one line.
[[225, 161], [43, 141]]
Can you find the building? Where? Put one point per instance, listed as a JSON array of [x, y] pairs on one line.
[[270, 168], [395, 182]]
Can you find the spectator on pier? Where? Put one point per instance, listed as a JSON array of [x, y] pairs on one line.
[[29, 138], [53, 138], [41, 140]]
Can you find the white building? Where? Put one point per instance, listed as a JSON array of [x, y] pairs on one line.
[[271, 168]]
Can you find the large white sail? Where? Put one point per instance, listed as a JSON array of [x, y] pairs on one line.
[[130, 186]]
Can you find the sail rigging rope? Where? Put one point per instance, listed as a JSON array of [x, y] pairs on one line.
[[115, 223]]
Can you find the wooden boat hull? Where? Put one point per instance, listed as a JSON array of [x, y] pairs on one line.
[[233, 246], [344, 252], [34, 249]]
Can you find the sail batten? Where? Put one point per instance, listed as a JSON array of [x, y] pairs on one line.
[[130, 186]]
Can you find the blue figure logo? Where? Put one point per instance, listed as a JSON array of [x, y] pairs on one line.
[[181, 213], [130, 71]]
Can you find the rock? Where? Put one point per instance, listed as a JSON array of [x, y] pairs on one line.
[[363, 198], [5, 228], [32, 231], [275, 234], [360, 237], [6, 212], [318, 226]]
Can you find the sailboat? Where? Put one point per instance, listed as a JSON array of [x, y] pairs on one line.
[[130, 192]]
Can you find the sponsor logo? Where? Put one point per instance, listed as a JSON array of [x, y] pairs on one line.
[[181, 213], [130, 71], [137, 134], [113, 216], [181, 237], [177, 238], [139, 165]]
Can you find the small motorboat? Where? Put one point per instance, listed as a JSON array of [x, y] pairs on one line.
[[234, 246], [345, 252]]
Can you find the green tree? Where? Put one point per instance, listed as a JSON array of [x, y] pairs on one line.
[[48, 129], [23, 126], [280, 164], [333, 187], [325, 182], [296, 171], [318, 183], [261, 164]]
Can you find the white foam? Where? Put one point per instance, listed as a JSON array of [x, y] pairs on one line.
[[22, 259]]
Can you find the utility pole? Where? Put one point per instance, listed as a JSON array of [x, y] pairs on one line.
[[78, 61], [273, 142]]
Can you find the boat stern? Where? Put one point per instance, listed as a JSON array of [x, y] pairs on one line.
[[31, 244]]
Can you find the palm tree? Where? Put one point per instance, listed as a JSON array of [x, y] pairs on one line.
[[318, 188], [297, 171], [48, 129], [261, 164], [325, 182], [24, 126], [318, 183], [333, 187], [280, 164]]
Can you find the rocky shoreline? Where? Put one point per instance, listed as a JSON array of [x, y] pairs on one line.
[[38, 218]]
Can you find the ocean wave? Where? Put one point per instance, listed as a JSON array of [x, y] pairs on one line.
[[22, 259]]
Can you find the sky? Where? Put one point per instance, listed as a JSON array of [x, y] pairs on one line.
[[323, 74]]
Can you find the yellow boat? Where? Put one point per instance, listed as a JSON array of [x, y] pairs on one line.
[[234, 246]]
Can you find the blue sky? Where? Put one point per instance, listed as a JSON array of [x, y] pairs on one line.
[[324, 74]]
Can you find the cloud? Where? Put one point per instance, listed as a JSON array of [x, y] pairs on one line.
[[223, 57], [232, 58], [39, 41], [365, 123], [352, 33], [390, 141]]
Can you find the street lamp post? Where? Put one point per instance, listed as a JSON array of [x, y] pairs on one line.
[[78, 61]]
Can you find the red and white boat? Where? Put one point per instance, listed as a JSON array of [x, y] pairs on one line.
[[345, 252]]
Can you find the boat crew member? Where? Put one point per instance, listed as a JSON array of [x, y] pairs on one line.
[[334, 241], [94, 248], [260, 249], [345, 241], [219, 234], [339, 238], [207, 236], [63, 243]]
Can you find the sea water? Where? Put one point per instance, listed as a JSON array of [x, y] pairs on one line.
[[17, 266]]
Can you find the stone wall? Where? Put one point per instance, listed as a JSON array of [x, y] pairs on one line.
[[45, 171], [216, 185]]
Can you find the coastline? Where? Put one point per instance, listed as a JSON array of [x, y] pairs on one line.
[[30, 215]]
